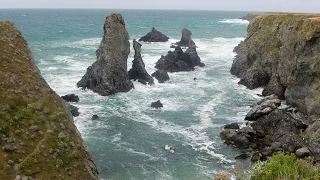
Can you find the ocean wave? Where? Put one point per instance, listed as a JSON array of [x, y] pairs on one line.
[[234, 21]]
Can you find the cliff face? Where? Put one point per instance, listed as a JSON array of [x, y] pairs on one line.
[[38, 138], [282, 54], [108, 75]]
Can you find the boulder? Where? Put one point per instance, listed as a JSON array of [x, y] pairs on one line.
[[161, 76], [108, 75], [74, 110], [138, 71], [302, 152], [71, 98], [264, 107], [157, 104], [154, 36], [178, 60]]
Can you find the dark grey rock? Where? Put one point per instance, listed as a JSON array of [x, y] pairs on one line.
[[108, 75], [242, 156], [95, 117], [154, 36], [138, 71], [161, 76], [74, 110], [178, 60], [264, 107], [186, 40], [232, 126], [157, 104], [71, 98], [249, 17]]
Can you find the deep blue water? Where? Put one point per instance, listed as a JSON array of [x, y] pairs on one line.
[[131, 140]]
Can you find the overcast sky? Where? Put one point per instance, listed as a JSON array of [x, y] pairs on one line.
[[239, 5]]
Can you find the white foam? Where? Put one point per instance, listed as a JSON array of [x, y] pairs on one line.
[[234, 21]]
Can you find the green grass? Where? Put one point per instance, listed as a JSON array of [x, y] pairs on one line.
[[286, 167]]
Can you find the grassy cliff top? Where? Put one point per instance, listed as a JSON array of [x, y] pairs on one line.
[[37, 135]]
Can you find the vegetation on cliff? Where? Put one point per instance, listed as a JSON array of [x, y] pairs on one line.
[[37, 136]]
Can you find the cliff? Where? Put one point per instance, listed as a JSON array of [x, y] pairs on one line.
[[38, 137], [108, 75], [282, 54]]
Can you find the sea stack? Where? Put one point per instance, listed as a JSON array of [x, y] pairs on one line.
[[38, 137], [138, 71], [186, 40], [108, 75], [154, 36]]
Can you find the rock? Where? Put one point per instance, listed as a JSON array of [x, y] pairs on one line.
[[157, 104], [179, 61], [264, 107], [95, 117], [34, 128], [138, 70], [74, 110], [279, 55], [249, 17], [302, 152], [242, 156], [108, 75], [194, 79], [173, 46], [232, 137], [186, 40], [154, 36], [71, 98], [9, 148], [161, 76], [232, 126]]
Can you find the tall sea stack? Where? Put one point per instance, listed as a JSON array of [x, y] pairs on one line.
[[38, 139], [108, 75]]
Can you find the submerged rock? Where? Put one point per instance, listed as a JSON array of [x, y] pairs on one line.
[[138, 70], [154, 36], [71, 98], [157, 104], [178, 60], [95, 117], [161, 76], [108, 75]]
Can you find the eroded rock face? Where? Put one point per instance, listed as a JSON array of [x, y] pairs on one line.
[[38, 137], [154, 36], [282, 54], [108, 75], [178, 60], [138, 71], [186, 40]]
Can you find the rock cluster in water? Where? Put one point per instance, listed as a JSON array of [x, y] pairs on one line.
[[138, 71], [178, 60], [108, 75], [154, 36]]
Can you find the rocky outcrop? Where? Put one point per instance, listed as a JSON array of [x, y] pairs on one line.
[[38, 139], [186, 40], [249, 17], [108, 75], [161, 76], [157, 104], [138, 71], [279, 128], [154, 36], [71, 98], [178, 60], [282, 53]]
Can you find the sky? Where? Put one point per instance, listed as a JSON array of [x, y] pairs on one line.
[[237, 5]]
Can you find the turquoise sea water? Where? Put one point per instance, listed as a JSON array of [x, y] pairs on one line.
[[130, 140]]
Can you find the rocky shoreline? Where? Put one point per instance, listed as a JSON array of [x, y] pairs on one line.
[[284, 61]]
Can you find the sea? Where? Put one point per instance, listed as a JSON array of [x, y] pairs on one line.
[[131, 140]]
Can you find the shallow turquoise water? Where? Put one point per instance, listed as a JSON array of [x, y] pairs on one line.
[[129, 140]]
